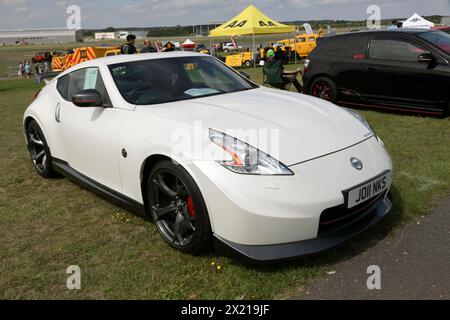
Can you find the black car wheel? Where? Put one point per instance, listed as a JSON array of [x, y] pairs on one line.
[[324, 88], [39, 150], [178, 209]]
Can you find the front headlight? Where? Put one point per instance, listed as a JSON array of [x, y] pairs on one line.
[[361, 119], [246, 159]]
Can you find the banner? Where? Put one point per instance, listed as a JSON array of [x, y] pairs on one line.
[[308, 28]]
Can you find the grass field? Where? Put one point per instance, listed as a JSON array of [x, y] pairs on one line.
[[48, 225]]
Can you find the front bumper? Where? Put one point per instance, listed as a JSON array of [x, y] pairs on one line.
[[290, 251], [254, 214]]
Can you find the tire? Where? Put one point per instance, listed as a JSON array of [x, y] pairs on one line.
[[187, 209], [324, 88], [248, 63], [39, 150]]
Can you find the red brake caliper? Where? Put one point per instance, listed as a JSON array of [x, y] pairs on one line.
[[191, 208]]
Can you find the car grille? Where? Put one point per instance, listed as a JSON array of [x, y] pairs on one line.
[[335, 218]]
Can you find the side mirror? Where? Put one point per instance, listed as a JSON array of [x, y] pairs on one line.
[[87, 98], [426, 58], [245, 75]]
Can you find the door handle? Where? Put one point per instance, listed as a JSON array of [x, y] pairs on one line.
[[372, 69], [58, 113]]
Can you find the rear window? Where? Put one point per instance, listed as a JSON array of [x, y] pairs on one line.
[[343, 47]]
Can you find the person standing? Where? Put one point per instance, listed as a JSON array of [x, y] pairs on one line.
[[37, 68], [21, 70], [129, 47], [27, 70], [46, 68], [148, 47]]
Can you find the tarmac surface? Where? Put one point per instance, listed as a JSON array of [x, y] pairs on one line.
[[414, 264]]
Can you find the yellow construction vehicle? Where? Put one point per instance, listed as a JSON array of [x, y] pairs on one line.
[[240, 59], [303, 46]]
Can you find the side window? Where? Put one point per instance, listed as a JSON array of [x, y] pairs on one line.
[[312, 39], [89, 78], [353, 47], [302, 40], [63, 86], [398, 50], [77, 79]]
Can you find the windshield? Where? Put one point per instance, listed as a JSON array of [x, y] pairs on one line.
[[164, 80], [438, 38]]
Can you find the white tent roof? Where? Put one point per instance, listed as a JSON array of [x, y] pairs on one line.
[[188, 42], [416, 21]]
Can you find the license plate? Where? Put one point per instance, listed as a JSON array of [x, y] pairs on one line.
[[368, 190]]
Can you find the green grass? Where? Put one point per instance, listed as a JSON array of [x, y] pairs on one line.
[[47, 225]]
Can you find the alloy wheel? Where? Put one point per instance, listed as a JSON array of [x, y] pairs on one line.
[[37, 149], [172, 208], [322, 90]]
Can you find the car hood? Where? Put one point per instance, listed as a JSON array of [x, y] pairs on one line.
[[304, 126]]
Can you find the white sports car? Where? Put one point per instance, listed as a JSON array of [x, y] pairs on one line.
[[211, 157]]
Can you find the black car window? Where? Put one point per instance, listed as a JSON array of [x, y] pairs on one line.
[[344, 47], [63, 85], [395, 49], [88, 78]]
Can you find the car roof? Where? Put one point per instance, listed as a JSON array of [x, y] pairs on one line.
[[123, 58], [146, 56], [385, 31]]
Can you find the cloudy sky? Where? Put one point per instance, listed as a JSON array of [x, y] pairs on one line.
[[16, 14]]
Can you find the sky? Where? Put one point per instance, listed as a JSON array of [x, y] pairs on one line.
[[21, 14]]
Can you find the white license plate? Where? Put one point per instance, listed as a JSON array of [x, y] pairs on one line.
[[369, 190]]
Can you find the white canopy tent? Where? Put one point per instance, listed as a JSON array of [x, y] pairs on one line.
[[416, 21]]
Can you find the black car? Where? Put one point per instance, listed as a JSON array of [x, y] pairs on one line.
[[406, 70]]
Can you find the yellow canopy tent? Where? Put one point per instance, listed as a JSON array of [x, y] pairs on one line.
[[251, 21]]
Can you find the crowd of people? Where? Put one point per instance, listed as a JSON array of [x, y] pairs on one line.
[[149, 46], [26, 67]]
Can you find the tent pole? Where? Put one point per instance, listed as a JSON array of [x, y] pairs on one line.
[[253, 51], [289, 53], [295, 45], [210, 44]]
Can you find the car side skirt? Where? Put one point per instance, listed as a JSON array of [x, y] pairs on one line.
[[295, 250], [113, 196], [392, 107]]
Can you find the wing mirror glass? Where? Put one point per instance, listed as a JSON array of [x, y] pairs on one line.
[[87, 98]]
